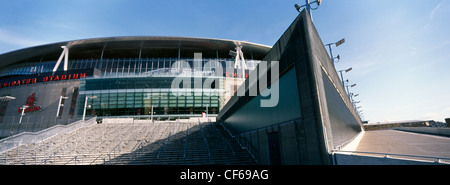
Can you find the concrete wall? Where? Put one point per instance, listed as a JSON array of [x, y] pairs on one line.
[[313, 117], [47, 97], [427, 130], [349, 159], [292, 143]]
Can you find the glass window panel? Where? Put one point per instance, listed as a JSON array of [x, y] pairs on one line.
[[130, 94]]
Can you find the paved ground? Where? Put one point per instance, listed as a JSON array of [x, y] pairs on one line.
[[407, 143]]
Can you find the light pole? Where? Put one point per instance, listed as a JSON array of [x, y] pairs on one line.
[[85, 105], [349, 93], [59, 104], [342, 41], [23, 113], [207, 110], [307, 5], [342, 78], [152, 112]]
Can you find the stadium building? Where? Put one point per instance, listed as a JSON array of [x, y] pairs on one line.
[[118, 77], [310, 119]]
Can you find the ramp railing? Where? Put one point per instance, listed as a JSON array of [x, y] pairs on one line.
[[33, 137]]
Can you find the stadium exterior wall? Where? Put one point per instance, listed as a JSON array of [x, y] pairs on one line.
[[130, 76]]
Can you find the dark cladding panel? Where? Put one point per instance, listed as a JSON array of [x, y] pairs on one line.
[[343, 124], [254, 116]]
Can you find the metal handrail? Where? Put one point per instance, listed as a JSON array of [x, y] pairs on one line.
[[74, 159], [204, 139], [387, 155], [252, 150], [34, 137], [185, 140], [224, 139]]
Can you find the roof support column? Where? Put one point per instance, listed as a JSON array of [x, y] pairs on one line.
[[64, 54]]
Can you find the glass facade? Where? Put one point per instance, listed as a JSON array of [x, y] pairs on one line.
[[122, 66], [136, 96], [132, 86]]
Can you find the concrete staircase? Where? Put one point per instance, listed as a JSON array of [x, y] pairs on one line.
[[182, 142]]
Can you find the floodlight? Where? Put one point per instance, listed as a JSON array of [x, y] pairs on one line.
[[340, 42], [318, 2], [232, 53], [339, 57], [347, 70], [7, 98], [353, 85], [297, 7]]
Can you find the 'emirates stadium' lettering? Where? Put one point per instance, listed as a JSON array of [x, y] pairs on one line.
[[43, 79]]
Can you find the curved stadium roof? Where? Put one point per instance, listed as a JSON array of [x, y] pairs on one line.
[[133, 47]]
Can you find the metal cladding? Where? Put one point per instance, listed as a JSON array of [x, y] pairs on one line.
[[309, 121]]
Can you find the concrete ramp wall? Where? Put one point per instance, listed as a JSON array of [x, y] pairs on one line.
[[314, 114]]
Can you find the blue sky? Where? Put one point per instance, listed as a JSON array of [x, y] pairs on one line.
[[399, 50]]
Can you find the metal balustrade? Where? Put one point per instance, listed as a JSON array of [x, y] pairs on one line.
[[192, 141]]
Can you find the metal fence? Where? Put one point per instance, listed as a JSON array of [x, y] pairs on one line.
[[12, 125], [33, 137]]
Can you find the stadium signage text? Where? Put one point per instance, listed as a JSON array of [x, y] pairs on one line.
[[49, 78]]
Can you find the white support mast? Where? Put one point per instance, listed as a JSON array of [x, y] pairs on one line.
[[64, 54], [239, 62]]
